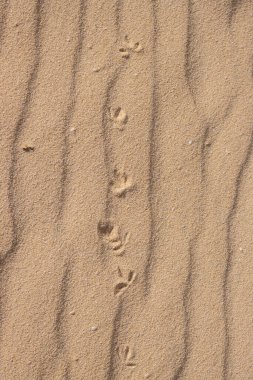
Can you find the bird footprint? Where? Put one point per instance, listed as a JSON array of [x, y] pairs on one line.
[[112, 237], [124, 281], [118, 117], [127, 355], [130, 46], [116, 243], [121, 182], [133, 45]]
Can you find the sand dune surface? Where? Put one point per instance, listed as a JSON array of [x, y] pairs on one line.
[[126, 187]]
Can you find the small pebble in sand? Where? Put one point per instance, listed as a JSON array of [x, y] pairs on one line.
[[90, 47], [72, 129], [190, 142], [94, 328], [72, 312], [96, 69], [240, 249]]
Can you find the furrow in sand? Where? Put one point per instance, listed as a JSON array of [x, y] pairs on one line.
[[233, 9], [114, 342], [186, 294], [229, 260], [4, 8], [60, 314], [20, 123], [60, 319], [188, 50], [118, 16], [192, 263], [240, 284], [72, 101], [152, 152]]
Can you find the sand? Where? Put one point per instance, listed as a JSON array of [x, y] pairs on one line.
[[126, 187]]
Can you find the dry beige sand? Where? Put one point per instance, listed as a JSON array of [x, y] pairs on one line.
[[126, 190]]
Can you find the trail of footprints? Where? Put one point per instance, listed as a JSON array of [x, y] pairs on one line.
[[120, 184], [113, 236]]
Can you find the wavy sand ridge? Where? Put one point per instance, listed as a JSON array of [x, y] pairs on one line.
[[125, 223]]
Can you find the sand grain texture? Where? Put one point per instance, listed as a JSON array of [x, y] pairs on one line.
[[126, 138]]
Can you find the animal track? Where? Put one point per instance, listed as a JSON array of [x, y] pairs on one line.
[[112, 237], [130, 46], [124, 53], [116, 243], [127, 354], [121, 182], [133, 45], [119, 117], [28, 148], [124, 281]]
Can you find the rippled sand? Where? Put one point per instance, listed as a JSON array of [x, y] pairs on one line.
[[126, 188]]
